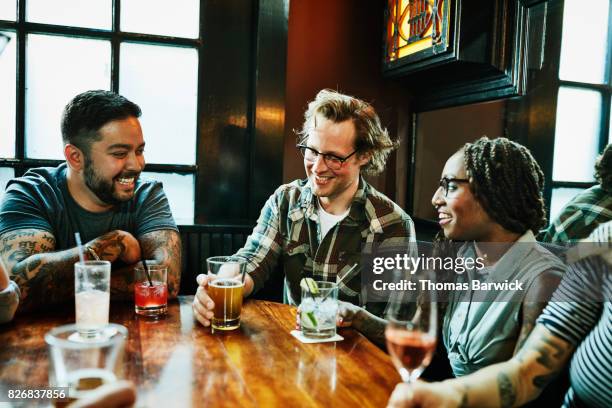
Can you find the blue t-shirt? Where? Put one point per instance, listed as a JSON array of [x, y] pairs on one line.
[[41, 200]]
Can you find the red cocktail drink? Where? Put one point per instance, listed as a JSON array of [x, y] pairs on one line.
[[151, 300], [151, 292]]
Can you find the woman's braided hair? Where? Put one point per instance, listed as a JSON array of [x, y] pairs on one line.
[[508, 182]]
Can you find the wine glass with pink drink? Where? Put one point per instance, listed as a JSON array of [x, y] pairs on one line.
[[411, 330]]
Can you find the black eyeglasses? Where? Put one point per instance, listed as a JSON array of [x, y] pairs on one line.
[[331, 160], [448, 184]]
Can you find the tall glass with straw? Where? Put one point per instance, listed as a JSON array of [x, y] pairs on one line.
[[91, 295]]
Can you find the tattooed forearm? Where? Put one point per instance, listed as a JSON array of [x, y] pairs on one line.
[[164, 247], [46, 277], [541, 359], [110, 245], [517, 381], [507, 392], [40, 274], [550, 353]]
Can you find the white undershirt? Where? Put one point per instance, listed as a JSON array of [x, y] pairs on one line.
[[327, 220]]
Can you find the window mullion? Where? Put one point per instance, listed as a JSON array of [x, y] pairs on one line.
[[115, 46], [20, 97], [605, 121]]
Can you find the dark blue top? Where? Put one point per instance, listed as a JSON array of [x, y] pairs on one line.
[[40, 200]]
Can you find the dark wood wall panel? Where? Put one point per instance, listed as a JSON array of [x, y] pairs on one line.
[[269, 97], [242, 112]]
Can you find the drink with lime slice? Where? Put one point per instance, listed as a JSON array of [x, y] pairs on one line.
[[318, 309]]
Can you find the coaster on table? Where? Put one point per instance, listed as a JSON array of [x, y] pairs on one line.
[[298, 335]]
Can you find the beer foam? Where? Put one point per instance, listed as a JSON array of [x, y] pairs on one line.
[[226, 283]]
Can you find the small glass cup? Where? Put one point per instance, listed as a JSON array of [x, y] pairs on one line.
[[151, 297], [226, 290], [318, 311], [82, 366], [91, 297]]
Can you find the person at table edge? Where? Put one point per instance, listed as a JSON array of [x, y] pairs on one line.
[[573, 330], [316, 227], [96, 192]]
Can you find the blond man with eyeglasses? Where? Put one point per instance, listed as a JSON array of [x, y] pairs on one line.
[[316, 227]]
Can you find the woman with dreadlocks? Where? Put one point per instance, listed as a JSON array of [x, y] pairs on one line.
[[490, 200]]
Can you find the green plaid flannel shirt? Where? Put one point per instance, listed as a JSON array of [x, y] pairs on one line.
[[288, 232], [580, 217]]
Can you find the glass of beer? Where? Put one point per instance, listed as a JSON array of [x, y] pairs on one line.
[[226, 290], [81, 365]]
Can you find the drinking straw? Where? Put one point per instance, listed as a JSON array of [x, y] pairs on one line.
[[243, 273], [146, 268], [77, 237], [341, 279]]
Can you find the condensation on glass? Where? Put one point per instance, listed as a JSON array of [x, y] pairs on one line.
[[163, 80], [584, 42], [6, 173], [51, 83], [177, 18], [7, 100], [77, 13], [576, 134], [179, 189], [561, 196], [8, 10]]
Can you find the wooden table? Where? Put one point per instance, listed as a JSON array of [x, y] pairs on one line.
[[176, 362]]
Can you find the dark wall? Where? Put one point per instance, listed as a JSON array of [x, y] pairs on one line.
[[439, 134], [242, 90], [338, 44], [225, 134]]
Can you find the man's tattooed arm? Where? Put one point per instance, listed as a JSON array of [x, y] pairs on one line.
[[27, 254], [164, 247], [46, 276]]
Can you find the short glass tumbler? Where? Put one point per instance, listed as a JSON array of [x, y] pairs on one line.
[[318, 311], [151, 292]]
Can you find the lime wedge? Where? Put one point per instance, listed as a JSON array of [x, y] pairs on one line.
[[309, 285], [312, 319]]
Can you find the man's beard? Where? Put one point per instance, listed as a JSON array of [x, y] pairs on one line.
[[104, 190]]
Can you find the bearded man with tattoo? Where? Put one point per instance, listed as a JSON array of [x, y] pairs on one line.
[[96, 192]]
